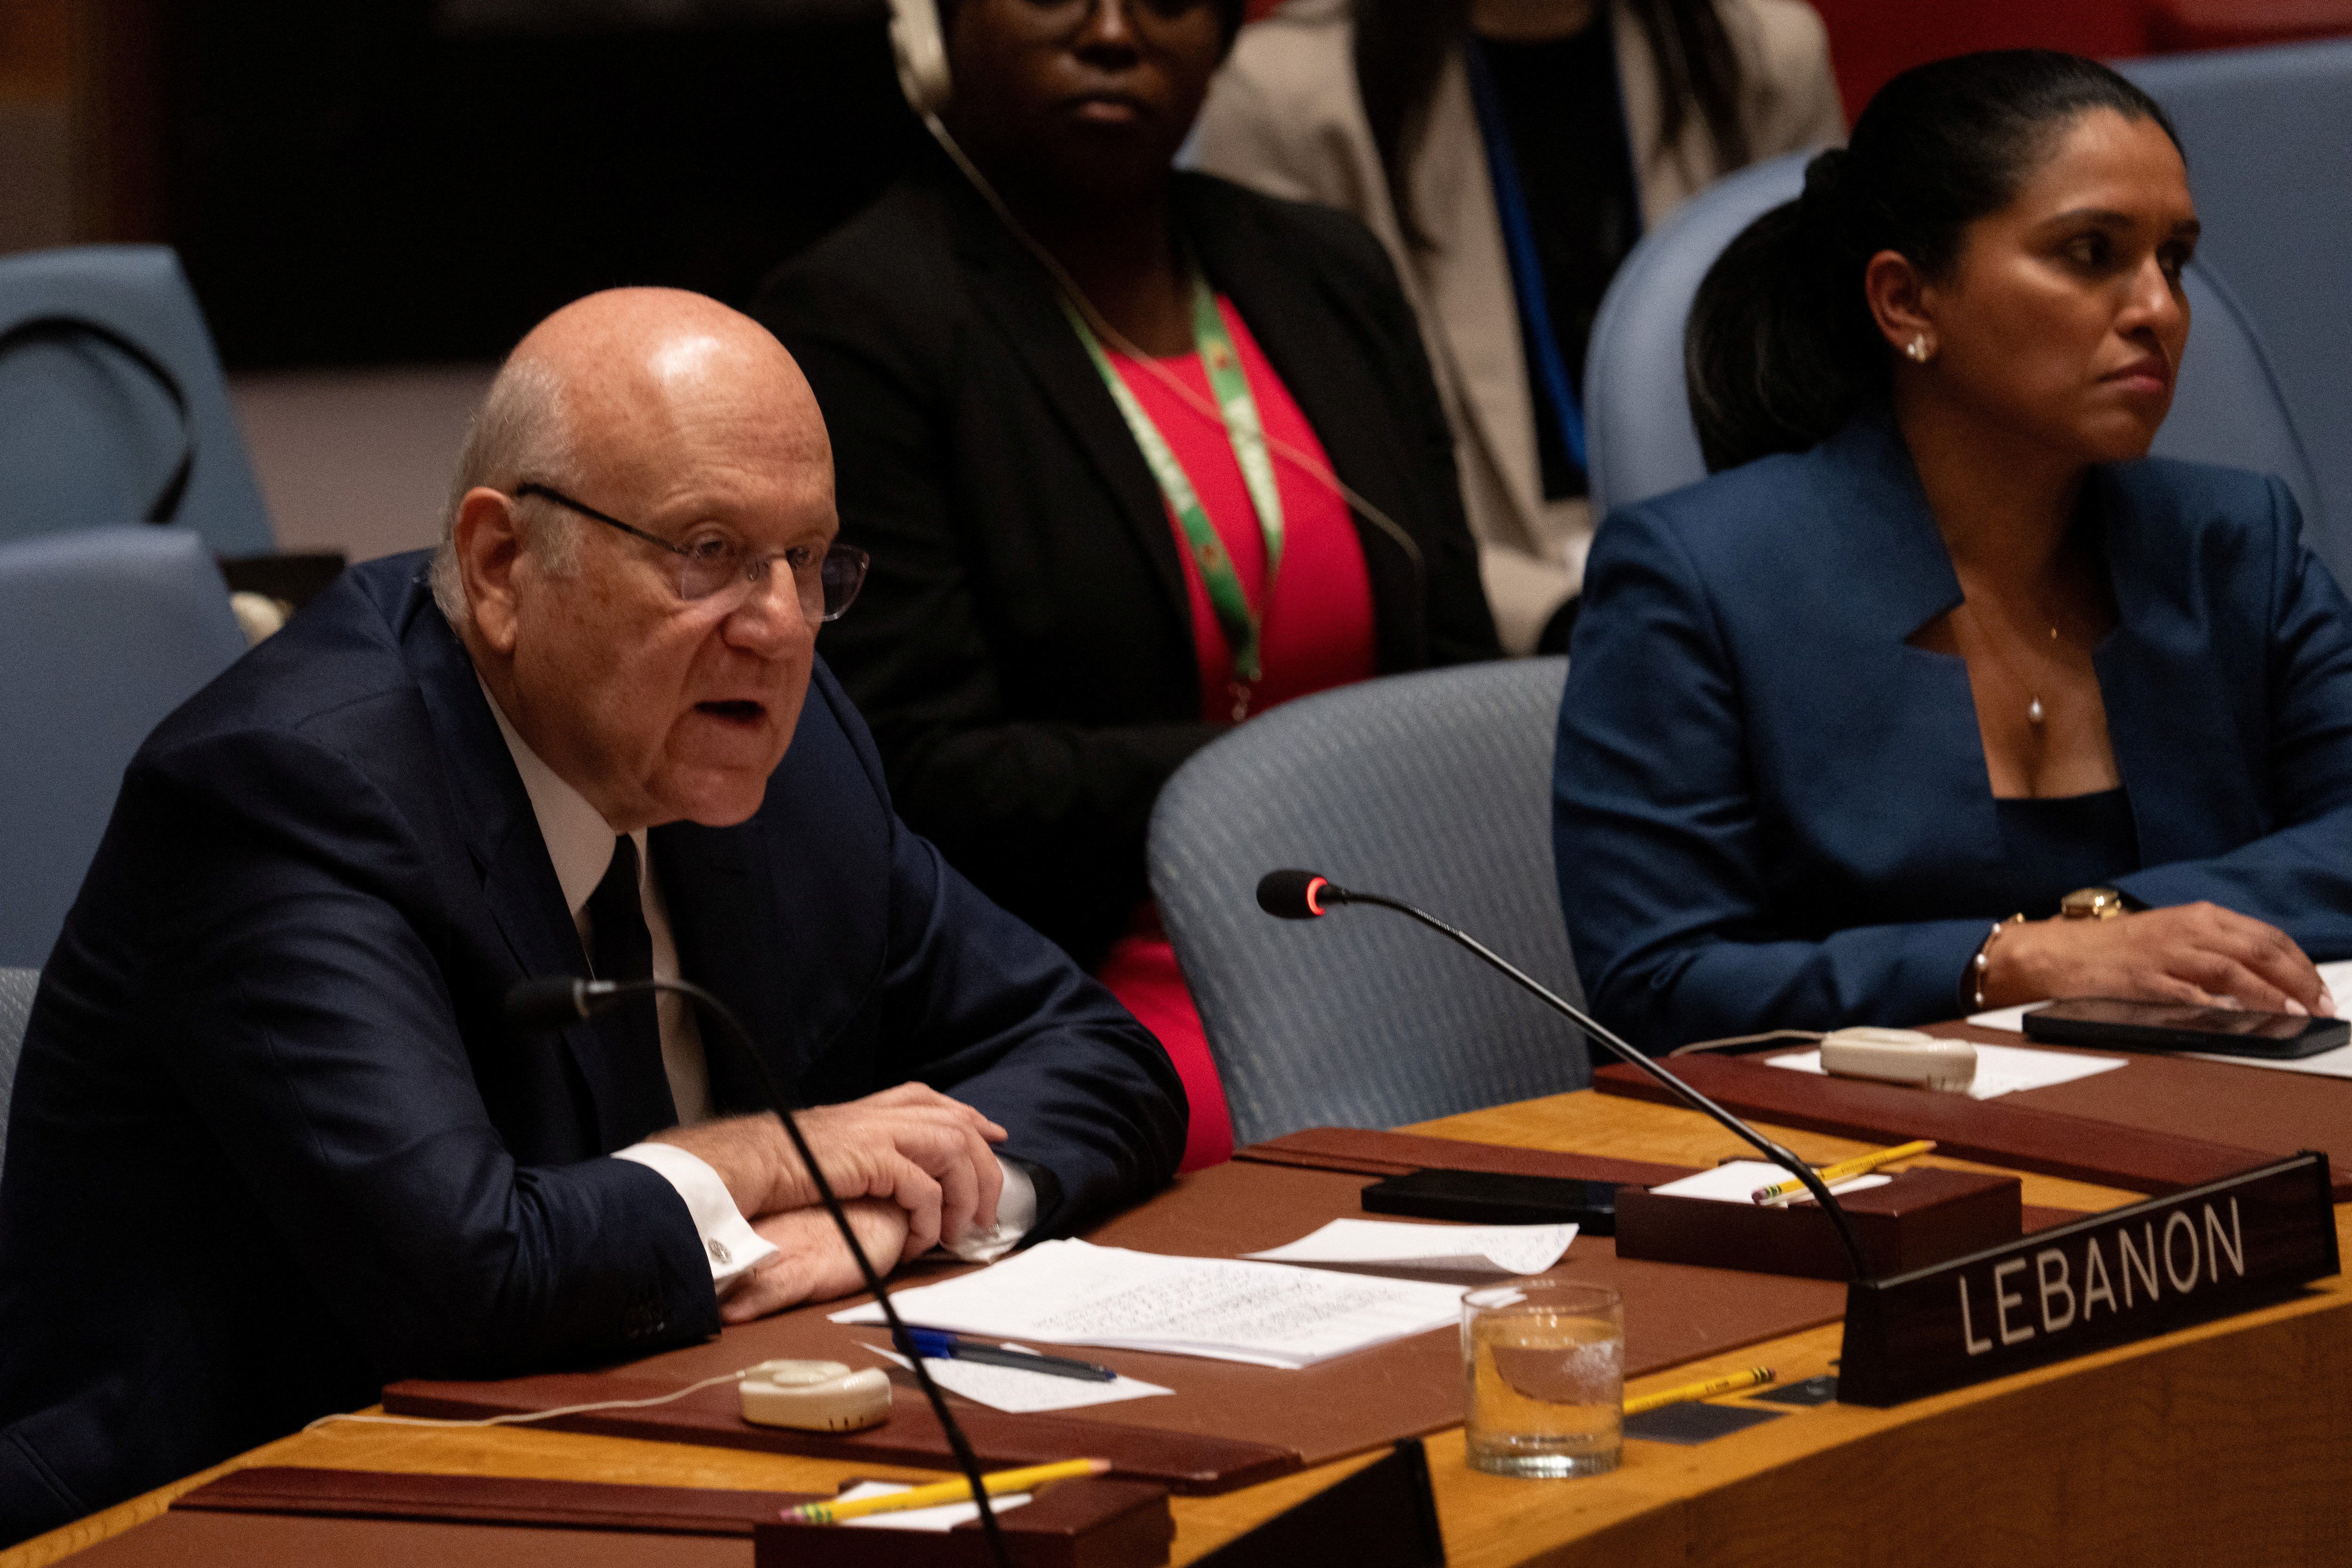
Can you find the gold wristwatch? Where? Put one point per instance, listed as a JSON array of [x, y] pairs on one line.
[[2091, 904]]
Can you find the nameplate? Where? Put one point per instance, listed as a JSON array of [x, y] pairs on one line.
[[2125, 1275]]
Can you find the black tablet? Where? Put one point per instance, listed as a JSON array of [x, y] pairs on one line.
[[2105, 1023], [1481, 1197]]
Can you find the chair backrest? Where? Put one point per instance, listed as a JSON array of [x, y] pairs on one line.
[[2269, 134], [1434, 788], [113, 405], [102, 633], [17, 986], [2227, 409]]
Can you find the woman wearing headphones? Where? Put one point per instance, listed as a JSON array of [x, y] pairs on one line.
[[1138, 454], [1508, 154], [1945, 696]]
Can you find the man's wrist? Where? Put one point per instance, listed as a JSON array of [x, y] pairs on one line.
[[1016, 1216], [730, 1244]]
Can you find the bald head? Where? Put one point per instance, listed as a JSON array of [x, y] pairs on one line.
[[659, 691], [611, 383]]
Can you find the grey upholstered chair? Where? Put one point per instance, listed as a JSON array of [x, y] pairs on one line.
[[1434, 788], [113, 405], [15, 1006], [2228, 408], [102, 633], [2269, 134]]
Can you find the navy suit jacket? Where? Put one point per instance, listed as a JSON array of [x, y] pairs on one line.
[[1771, 810], [273, 1143]]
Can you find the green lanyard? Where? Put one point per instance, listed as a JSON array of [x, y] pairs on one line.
[[1240, 623]]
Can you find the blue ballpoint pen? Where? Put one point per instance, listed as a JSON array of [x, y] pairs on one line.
[[940, 1345]]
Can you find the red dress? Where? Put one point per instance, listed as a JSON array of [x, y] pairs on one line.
[[1316, 634]]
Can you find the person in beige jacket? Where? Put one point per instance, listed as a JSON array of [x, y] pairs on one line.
[[1287, 114]]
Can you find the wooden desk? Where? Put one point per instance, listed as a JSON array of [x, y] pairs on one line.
[[2230, 1442]]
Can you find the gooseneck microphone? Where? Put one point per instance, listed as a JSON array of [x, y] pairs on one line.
[[549, 1002], [1294, 895]]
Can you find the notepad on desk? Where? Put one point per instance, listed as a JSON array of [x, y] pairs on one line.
[[1022, 1393], [1737, 1181], [1267, 1314], [2001, 1069]]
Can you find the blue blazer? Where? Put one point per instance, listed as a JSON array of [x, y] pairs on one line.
[[1771, 811], [274, 1144]]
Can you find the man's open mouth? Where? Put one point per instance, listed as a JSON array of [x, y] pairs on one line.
[[734, 713]]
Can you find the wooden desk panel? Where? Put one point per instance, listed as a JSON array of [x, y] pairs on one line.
[[2228, 1443]]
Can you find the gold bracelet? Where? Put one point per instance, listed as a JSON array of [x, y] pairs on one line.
[[1983, 959]]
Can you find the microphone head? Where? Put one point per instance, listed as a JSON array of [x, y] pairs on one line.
[[1293, 895], [547, 1001]]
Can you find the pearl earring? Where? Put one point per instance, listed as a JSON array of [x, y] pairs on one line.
[[1918, 349]]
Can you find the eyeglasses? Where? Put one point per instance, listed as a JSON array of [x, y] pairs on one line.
[[827, 579]]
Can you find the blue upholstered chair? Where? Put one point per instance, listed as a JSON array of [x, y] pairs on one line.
[[112, 406], [2228, 408], [102, 633], [2269, 134], [15, 1007], [1434, 788]]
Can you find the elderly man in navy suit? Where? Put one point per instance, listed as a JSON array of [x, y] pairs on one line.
[[274, 1143]]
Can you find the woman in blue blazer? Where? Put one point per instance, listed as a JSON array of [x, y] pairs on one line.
[[1845, 725]]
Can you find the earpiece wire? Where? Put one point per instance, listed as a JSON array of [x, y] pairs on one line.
[[519, 1418], [1319, 472]]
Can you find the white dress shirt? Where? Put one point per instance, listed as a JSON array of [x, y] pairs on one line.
[[580, 843]]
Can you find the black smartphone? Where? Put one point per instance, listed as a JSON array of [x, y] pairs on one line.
[[2103, 1021], [1481, 1197]]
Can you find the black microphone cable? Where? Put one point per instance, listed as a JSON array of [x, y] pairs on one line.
[[1296, 895], [548, 1002]]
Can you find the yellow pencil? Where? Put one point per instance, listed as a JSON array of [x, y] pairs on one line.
[[1754, 1377], [1846, 1170], [958, 1490]]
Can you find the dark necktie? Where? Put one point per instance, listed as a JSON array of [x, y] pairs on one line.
[[631, 1033]]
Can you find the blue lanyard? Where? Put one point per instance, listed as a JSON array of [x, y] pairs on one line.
[[1519, 242]]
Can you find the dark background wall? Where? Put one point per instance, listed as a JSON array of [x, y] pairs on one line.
[[369, 182]]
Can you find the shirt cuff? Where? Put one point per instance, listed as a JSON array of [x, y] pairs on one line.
[[1016, 1213], [734, 1248]]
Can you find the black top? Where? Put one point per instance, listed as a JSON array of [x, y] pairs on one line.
[[1561, 109], [2057, 845], [1023, 645]]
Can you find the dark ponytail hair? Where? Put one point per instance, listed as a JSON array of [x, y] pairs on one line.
[[1402, 45], [1781, 349]]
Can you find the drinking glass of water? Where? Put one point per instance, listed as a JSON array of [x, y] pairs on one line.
[[1544, 1361]]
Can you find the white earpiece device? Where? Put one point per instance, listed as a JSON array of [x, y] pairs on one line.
[[815, 1395], [1899, 1055], [920, 50]]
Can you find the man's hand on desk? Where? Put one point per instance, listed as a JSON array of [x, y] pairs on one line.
[[812, 1265], [926, 1153]]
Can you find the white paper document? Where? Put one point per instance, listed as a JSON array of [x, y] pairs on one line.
[[1736, 1182], [2001, 1069], [944, 1517], [1022, 1393], [1487, 1248], [1267, 1314]]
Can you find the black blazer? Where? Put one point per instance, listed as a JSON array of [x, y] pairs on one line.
[[1023, 649], [274, 1144]]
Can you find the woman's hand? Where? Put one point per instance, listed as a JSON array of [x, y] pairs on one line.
[[2197, 953]]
